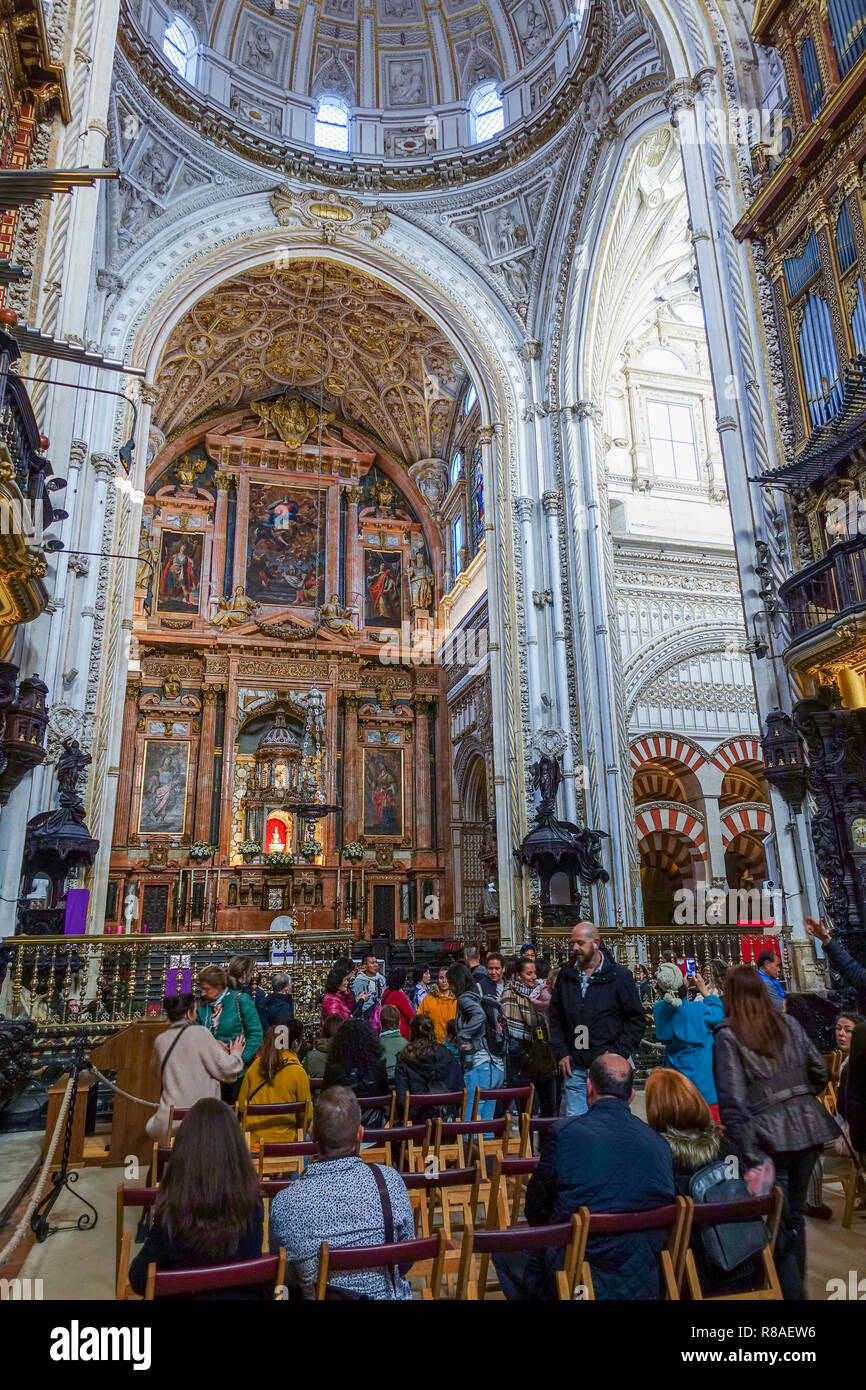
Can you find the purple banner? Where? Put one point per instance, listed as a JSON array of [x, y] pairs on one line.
[[75, 916]]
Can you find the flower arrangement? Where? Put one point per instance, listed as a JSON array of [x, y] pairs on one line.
[[250, 849], [279, 858], [310, 848], [354, 851], [201, 850]]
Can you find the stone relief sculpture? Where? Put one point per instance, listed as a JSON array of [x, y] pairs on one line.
[[234, 611], [407, 83], [258, 54]]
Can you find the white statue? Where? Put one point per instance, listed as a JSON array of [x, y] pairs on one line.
[[130, 909], [41, 890]]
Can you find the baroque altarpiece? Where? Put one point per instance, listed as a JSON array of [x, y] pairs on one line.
[[283, 622]]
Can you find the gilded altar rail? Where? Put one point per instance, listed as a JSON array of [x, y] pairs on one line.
[[80, 981]]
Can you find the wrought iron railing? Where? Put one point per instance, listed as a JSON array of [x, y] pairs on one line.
[[83, 980], [832, 586], [19, 434]]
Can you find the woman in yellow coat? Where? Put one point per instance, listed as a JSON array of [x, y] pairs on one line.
[[440, 1004], [276, 1077]]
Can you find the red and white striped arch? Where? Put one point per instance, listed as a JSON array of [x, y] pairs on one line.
[[666, 747], [746, 820], [738, 750], [675, 819]]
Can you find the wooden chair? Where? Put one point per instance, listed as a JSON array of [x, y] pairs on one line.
[[703, 1214], [672, 1218], [285, 1158], [403, 1253], [141, 1197], [295, 1112], [316, 1083], [386, 1103], [447, 1189], [160, 1157], [239, 1274], [482, 1245], [455, 1100], [269, 1187], [844, 1169], [400, 1146], [534, 1127], [523, 1097], [172, 1116], [500, 1212], [458, 1140]]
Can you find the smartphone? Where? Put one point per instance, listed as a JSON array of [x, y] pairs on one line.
[[691, 967]]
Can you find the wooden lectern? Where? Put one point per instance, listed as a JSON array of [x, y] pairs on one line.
[[128, 1053]]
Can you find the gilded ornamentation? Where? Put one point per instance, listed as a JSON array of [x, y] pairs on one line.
[[293, 418], [337, 618], [186, 470], [235, 611], [330, 213]]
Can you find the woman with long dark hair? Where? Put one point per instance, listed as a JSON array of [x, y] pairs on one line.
[[276, 1077], [209, 1209], [424, 1066], [768, 1075], [356, 1060]]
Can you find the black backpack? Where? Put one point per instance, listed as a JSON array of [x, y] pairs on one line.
[[495, 1026], [724, 1248]]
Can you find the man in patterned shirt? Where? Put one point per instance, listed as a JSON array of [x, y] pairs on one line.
[[337, 1199]]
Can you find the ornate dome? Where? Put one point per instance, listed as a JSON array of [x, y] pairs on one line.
[[406, 69]]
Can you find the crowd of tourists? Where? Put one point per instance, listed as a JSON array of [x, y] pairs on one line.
[[731, 1098]]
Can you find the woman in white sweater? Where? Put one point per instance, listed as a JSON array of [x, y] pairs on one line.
[[190, 1062]]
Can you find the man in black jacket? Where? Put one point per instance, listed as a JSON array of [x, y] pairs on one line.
[[594, 1008], [842, 961], [278, 1006], [606, 1160]]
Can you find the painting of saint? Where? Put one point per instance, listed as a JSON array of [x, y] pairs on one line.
[[383, 792], [179, 572], [286, 550], [163, 788], [383, 579]]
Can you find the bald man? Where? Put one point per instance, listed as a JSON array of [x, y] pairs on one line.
[[594, 1008], [606, 1160]]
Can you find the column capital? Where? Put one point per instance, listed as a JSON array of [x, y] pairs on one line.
[[133, 689], [209, 694], [351, 703], [223, 481], [149, 393], [680, 96], [77, 453], [524, 507], [551, 501], [422, 702], [103, 465], [352, 493]]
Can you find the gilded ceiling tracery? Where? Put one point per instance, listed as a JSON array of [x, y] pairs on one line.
[[387, 368]]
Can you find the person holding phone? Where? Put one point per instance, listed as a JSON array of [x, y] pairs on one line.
[[686, 1027]]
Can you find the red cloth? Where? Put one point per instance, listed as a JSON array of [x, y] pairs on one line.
[[397, 999], [752, 946]]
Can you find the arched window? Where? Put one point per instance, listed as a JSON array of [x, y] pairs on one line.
[[476, 500], [456, 467], [332, 125], [486, 113], [457, 536], [660, 359], [179, 44], [470, 398]]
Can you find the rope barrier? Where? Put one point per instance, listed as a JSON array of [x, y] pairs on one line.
[[24, 1223], [136, 1100]]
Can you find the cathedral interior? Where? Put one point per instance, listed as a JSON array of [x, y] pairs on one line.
[[432, 490]]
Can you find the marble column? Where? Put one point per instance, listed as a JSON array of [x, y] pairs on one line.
[[229, 731], [223, 482], [352, 790], [204, 778], [122, 807], [354, 559], [423, 790]]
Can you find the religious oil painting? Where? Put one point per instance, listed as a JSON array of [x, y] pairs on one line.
[[179, 572], [383, 579], [163, 788], [286, 546], [383, 792]]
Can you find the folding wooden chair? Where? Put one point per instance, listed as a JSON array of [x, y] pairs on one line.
[[285, 1158], [400, 1146], [239, 1274], [386, 1103], [403, 1253], [141, 1197], [523, 1097], [296, 1112], [454, 1100], [269, 1188], [453, 1192], [534, 1128], [316, 1083], [672, 1218], [704, 1214], [844, 1169], [482, 1245], [502, 1213], [458, 1140]]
